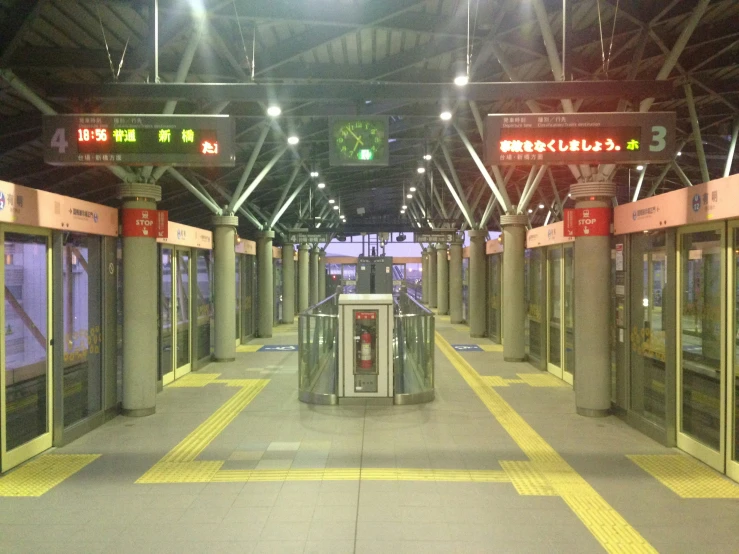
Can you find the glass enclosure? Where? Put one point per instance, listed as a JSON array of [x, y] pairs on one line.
[[413, 351], [182, 308], [248, 294], [701, 331], [568, 295], [534, 291], [166, 342], [648, 330], [277, 283], [239, 261], [82, 316], [495, 280], [318, 352], [349, 276], [205, 305], [554, 310]]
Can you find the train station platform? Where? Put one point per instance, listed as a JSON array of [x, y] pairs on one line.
[[498, 462]]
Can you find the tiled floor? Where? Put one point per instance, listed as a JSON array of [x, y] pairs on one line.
[[492, 465]]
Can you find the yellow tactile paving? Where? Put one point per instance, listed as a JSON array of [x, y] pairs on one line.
[[42, 474], [179, 465], [494, 380], [527, 479], [606, 524], [686, 476], [194, 380], [248, 347], [541, 380]]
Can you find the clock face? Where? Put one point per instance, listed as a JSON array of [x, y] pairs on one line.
[[360, 141]]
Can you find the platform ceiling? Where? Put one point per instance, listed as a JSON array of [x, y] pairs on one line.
[[342, 43]]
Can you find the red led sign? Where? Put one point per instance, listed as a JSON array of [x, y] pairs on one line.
[[587, 222], [579, 138]]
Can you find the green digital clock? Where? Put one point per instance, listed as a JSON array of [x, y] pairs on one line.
[[358, 141]]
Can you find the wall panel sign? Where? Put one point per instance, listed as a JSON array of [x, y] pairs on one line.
[[138, 222], [435, 236], [493, 247], [710, 201], [548, 235], [129, 139], [38, 208], [246, 247], [587, 222], [276, 252], [184, 235], [552, 138]]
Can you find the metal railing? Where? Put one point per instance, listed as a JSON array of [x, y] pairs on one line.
[[413, 351], [318, 352]]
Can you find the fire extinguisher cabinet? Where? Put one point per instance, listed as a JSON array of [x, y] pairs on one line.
[[366, 347]]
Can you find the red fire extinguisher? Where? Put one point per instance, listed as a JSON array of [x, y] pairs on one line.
[[365, 350]]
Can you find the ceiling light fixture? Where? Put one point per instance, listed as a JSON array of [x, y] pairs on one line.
[[409, 196], [531, 211], [331, 201], [421, 170], [405, 207], [412, 189], [336, 207], [427, 157], [541, 206], [639, 167], [461, 80], [446, 116], [293, 140], [321, 185], [314, 173], [274, 111]]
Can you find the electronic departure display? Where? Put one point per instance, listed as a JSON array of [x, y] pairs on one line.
[[105, 139], [559, 138]]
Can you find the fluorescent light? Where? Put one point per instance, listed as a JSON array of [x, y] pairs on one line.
[[314, 173], [336, 207], [461, 80], [331, 201], [446, 116], [321, 185], [421, 170], [412, 189], [402, 211], [293, 140], [274, 111], [639, 167], [409, 196], [427, 157], [530, 210], [541, 206], [405, 207]]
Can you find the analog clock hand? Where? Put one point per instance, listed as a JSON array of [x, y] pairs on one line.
[[359, 140]]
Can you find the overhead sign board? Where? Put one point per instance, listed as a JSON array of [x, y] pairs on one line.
[[110, 139], [564, 138], [310, 238], [435, 236]]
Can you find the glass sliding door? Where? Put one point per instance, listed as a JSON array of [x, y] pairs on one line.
[[732, 455], [568, 295], [701, 363], [82, 315], [166, 336], [349, 276], [239, 270], [183, 361], [554, 311], [204, 282], [25, 376], [495, 264], [277, 287], [248, 293], [466, 290]]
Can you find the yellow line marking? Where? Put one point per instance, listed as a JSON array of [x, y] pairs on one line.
[[606, 524], [494, 380], [361, 474], [491, 347], [686, 476], [194, 380], [248, 347], [179, 464], [42, 474]]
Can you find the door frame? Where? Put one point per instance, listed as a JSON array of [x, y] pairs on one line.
[[18, 455], [692, 446], [184, 369], [732, 245]]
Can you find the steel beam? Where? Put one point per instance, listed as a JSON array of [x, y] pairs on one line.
[[459, 197], [732, 148], [639, 183], [258, 179], [329, 92], [681, 174], [528, 195], [696, 133], [207, 200], [286, 205], [248, 168]]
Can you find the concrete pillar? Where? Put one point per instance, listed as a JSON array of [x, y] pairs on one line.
[[314, 276], [425, 276], [592, 276], [514, 308], [224, 287], [455, 281], [140, 306], [265, 283], [432, 276], [303, 277], [442, 278], [288, 283], [321, 275], [477, 290]]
